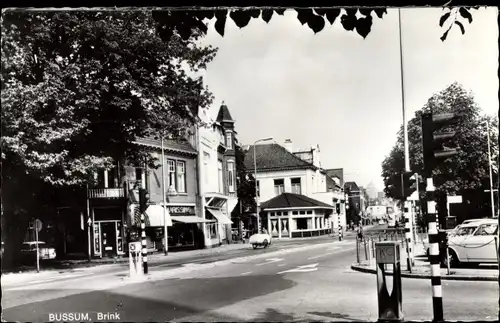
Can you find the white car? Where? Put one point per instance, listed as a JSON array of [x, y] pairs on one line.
[[45, 252], [260, 239], [474, 242]]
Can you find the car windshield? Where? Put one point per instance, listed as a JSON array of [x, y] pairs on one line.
[[465, 231]]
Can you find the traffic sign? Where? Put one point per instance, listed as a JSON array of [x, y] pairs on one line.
[[38, 225], [89, 221]]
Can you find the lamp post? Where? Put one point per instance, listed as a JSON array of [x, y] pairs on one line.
[[165, 229], [255, 178], [491, 172]]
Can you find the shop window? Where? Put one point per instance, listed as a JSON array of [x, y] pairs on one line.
[[302, 223]]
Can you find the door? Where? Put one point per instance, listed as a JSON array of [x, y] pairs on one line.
[[457, 242], [481, 246], [108, 238]]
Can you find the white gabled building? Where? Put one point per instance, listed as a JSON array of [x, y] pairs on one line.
[[296, 195]]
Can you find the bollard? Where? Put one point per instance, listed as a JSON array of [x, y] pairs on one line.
[[357, 250], [135, 261], [390, 307]]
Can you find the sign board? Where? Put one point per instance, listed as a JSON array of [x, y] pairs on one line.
[[454, 199], [414, 196], [38, 225], [387, 252]]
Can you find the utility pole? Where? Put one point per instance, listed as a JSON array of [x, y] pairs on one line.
[[491, 172]]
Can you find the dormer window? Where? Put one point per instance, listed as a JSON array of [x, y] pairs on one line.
[[229, 140]]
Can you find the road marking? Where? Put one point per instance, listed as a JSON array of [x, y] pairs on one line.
[[319, 256], [247, 273], [29, 283], [301, 269], [281, 265], [270, 261]]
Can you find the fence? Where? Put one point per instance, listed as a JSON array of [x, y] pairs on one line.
[[365, 245]]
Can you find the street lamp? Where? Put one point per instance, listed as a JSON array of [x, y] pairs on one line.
[[491, 172], [255, 178]]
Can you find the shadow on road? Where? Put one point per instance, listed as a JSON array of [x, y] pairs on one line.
[[166, 300]]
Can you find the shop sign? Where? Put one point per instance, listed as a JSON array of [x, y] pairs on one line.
[[181, 210]]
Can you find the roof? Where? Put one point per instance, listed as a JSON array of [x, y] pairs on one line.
[[224, 114], [336, 172], [273, 157], [291, 200], [351, 186], [181, 145]]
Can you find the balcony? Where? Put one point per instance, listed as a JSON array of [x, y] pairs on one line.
[[107, 193]]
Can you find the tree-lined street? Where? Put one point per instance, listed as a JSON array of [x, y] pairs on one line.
[[304, 285]]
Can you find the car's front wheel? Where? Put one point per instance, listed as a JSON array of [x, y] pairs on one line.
[[254, 246], [265, 243]]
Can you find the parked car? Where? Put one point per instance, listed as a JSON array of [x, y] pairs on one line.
[[260, 239], [29, 251], [474, 243]]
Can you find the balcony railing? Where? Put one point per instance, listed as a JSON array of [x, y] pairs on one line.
[[106, 193]]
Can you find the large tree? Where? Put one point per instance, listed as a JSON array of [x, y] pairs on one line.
[[359, 20], [468, 171], [77, 88]]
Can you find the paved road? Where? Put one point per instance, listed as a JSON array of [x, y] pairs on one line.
[[304, 285]]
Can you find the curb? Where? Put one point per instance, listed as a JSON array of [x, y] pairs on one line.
[[426, 276]]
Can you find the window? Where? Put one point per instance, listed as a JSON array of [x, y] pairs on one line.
[[181, 177], [279, 186], [206, 161], [219, 168], [309, 212], [229, 140], [139, 178], [465, 231], [487, 230], [230, 176], [258, 188], [302, 223], [296, 185], [171, 174]]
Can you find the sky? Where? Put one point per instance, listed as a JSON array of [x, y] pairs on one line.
[[342, 92]]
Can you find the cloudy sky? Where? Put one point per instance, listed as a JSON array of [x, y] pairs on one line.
[[341, 91]]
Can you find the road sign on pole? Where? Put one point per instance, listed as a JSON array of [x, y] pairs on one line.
[[38, 225]]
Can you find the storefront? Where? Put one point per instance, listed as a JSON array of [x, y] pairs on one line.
[[108, 231], [218, 226], [184, 231], [293, 218]]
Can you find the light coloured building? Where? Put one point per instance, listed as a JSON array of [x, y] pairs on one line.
[[297, 197], [217, 175]]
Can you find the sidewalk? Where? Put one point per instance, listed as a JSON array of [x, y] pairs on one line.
[[422, 270]]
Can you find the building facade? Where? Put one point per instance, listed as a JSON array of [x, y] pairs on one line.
[[217, 169], [297, 196]]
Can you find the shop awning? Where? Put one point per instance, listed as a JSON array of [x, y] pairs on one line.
[[221, 217], [189, 219], [156, 216]]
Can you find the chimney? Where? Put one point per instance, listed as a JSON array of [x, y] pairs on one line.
[[288, 145]]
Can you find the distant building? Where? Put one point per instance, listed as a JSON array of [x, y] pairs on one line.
[[297, 196]]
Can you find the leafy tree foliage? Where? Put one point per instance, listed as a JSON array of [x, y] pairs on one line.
[[246, 182], [359, 20], [466, 171], [78, 87]]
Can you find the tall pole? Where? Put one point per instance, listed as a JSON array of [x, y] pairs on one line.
[[165, 229], [491, 172], [257, 206], [35, 222], [256, 190], [405, 127], [437, 292], [89, 226]]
